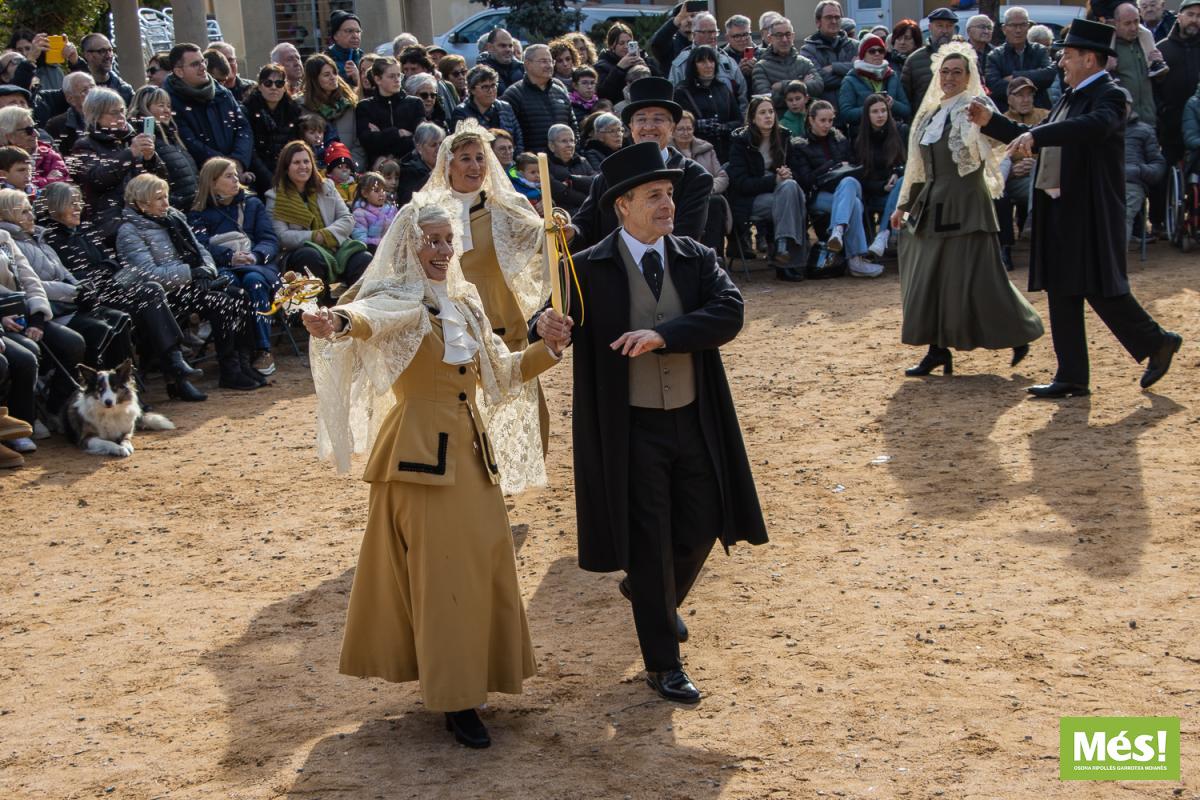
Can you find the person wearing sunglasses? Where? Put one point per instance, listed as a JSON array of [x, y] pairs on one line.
[[273, 116], [156, 69], [98, 59], [424, 87], [17, 128], [872, 75]]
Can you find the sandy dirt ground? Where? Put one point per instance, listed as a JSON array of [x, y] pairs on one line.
[[952, 568]]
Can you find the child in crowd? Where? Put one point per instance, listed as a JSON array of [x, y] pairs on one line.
[[16, 170], [503, 148], [526, 178], [373, 210], [583, 96], [339, 168], [795, 94], [312, 130], [389, 168]]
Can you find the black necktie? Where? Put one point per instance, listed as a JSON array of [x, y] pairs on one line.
[[652, 271]]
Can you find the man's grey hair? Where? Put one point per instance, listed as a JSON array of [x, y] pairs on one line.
[[705, 15], [402, 41], [1014, 11], [737, 21], [12, 118], [777, 23], [978, 19], [101, 101], [1040, 34], [413, 83], [531, 49], [767, 19], [606, 121], [557, 130], [278, 50], [427, 132], [74, 81]]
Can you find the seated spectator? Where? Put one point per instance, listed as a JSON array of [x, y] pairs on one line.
[[373, 210], [499, 53], [763, 187], [502, 148], [68, 126], [1019, 58], [615, 61], [904, 41], [608, 137], [781, 63], [235, 83], [708, 98], [154, 103], [328, 95], [366, 83], [584, 99], [18, 380], [1040, 34], [424, 87], [16, 170], [274, 118], [416, 167], [1145, 166], [108, 157], [635, 74], [454, 71], [821, 167], [830, 49], [339, 169], [314, 132], [157, 331], [795, 119], [17, 129], [98, 58], [1181, 51], [416, 60], [538, 100], [157, 70], [527, 179], [725, 69], [156, 244], [570, 173], [880, 148], [211, 122], [1018, 184], [482, 104], [720, 218], [872, 75], [1191, 133], [235, 228], [312, 222], [389, 169], [566, 61]]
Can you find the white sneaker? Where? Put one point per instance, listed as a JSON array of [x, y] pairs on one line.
[[22, 445], [834, 245], [879, 246], [39, 430], [861, 268]]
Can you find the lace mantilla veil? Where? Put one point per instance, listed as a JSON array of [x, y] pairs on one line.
[[354, 377], [968, 146]]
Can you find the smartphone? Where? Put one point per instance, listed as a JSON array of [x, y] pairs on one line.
[[748, 52], [148, 126], [633, 47], [695, 6]]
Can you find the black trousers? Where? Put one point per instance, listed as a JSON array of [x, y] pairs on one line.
[[18, 379], [228, 311], [1135, 329], [156, 328], [67, 348], [107, 336], [674, 515]]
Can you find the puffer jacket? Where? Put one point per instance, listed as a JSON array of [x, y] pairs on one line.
[[1173, 90], [56, 279], [572, 180], [371, 222], [337, 218], [1191, 130], [147, 252], [1144, 162], [216, 128], [917, 74], [48, 167], [414, 173], [537, 109], [610, 79], [272, 129], [16, 275], [245, 214], [748, 175], [856, 89], [390, 115], [182, 175], [500, 115], [1032, 62], [102, 164], [819, 155], [509, 73], [704, 154], [80, 252], [838, 54], [595, 151], [773, 68]]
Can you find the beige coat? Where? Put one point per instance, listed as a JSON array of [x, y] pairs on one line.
[[16, 275], [334, 212]]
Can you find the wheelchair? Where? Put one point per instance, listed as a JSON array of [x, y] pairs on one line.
[[1183, 207]]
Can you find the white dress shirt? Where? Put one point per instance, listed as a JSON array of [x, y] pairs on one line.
[[638, 249]]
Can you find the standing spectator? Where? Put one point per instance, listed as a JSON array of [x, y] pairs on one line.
[[501, 56], [236, 84], [583, 46], [1156, 18], [1019, 58], [565, 62], [17, 129], [153, 102], [704, 34], [979, 34], [571, 175], [424, 87], [33, 46], [1145, 166], [673, 36], [872, 75], [211, 122], [1181, 51], [830, 49], [345, 30], [615, 61], [287, 56], [385, 122], [538, 100], [415, 61], [157, 70], [1040, 34], [98, 58], [416, 167], [327, 94], [708, 98], [918, 68], [1018, 181], [782, 63], [584, 99], [1133, 64], [765, 21], [482, 104], [274, 118], [454, 70], [607, 138], [738, 42], [904, 41], [67, 127]]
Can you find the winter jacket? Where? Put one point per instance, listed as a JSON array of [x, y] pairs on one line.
[[838, 54], [714, 102], [371, 222], [595, 151], [917, 74], [855, 91], [148, 252], [102, 164], [1131, 73], [1163, 29], [667, 43], [48, 167], [254, 222], [65, 129], [704, 154], [500, 115], [1033, 62], [414, 172], [16, 275], [610, 79], [1191, 131], [818, 156], [773, 69], [216, 128], [880, 167], [1144, 162], [748, 174], [272, 129], [182, 176], [727, 71], [572, 180], [56, 279], [337, 218], [1174, 90], [509, 73], [390, 115], [81, 252], [537, 109]]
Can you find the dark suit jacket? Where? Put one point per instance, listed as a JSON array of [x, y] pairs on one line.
[[1079, 240], [600, 411]]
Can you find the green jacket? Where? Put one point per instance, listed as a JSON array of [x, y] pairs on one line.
[[1131, 74], [797, 124]]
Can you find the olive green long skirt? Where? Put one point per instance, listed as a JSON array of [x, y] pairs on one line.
[[955, 293]]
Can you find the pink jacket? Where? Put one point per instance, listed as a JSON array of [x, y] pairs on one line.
[[49, 167]]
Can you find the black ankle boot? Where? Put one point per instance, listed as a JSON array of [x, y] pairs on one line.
[[232, 376], [247, 367], [1019, 353], [182, 389], [174, 364], [468, 729], [936, 357]]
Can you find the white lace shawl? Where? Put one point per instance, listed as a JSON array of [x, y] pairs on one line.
[[968, 146]]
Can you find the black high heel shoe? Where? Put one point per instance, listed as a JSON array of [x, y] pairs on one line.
[[1019, 354], [468, 729], [936, 357]]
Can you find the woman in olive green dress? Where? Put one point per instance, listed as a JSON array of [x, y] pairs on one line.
[[953, 286]]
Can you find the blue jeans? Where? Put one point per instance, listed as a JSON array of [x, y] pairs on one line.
[[844, 207], [889, 207], [259, 289]]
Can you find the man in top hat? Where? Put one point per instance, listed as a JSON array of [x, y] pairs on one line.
[[651, 116], [660, 468], [1078, 249], [917, 72]]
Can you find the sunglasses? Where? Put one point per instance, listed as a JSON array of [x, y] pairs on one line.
[[426, 95], [28, 130], [275, 84], [154, 70], [458, 72]]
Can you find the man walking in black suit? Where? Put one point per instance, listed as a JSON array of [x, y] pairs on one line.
[[660, 468], [1078, 249]]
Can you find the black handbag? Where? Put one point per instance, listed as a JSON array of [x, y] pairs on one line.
[[829, 181]]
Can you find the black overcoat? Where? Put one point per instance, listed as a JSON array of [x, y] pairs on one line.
[[1078, 243], [600, 416]]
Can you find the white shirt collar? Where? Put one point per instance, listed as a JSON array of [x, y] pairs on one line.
[[666, 154], [638, 249], [1095, 76]]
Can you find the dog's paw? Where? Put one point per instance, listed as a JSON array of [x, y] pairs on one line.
[[126, 449]]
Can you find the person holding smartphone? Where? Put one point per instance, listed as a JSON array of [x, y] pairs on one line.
[[620, 55]]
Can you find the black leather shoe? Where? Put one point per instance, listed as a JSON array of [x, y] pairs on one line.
[[468, 729], [182, 389], [789, 274], [936, 357], [1160, 362], [681, 631], [178, 366], [1019, 354], [674, 685], [1056, 390], [1006, 258]]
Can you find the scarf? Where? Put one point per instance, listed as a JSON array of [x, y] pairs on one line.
[[181, 237], [332, 112], [341, 55], [872, 74], [202, 95], [294, 208], [586, 105]]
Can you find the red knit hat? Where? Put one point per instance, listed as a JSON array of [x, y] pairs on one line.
[[867, 44], [336, 152]]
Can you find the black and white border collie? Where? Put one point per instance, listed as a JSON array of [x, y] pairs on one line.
[[105, 411]]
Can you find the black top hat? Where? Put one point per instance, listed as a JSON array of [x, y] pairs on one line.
[[632, 166], [651, 93], [1087, 34]]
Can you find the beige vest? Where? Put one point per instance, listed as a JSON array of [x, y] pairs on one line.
[[656, 380]]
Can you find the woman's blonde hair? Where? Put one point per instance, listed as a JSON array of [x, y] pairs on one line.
[[140, 190], [213, 169], [11, 202]]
